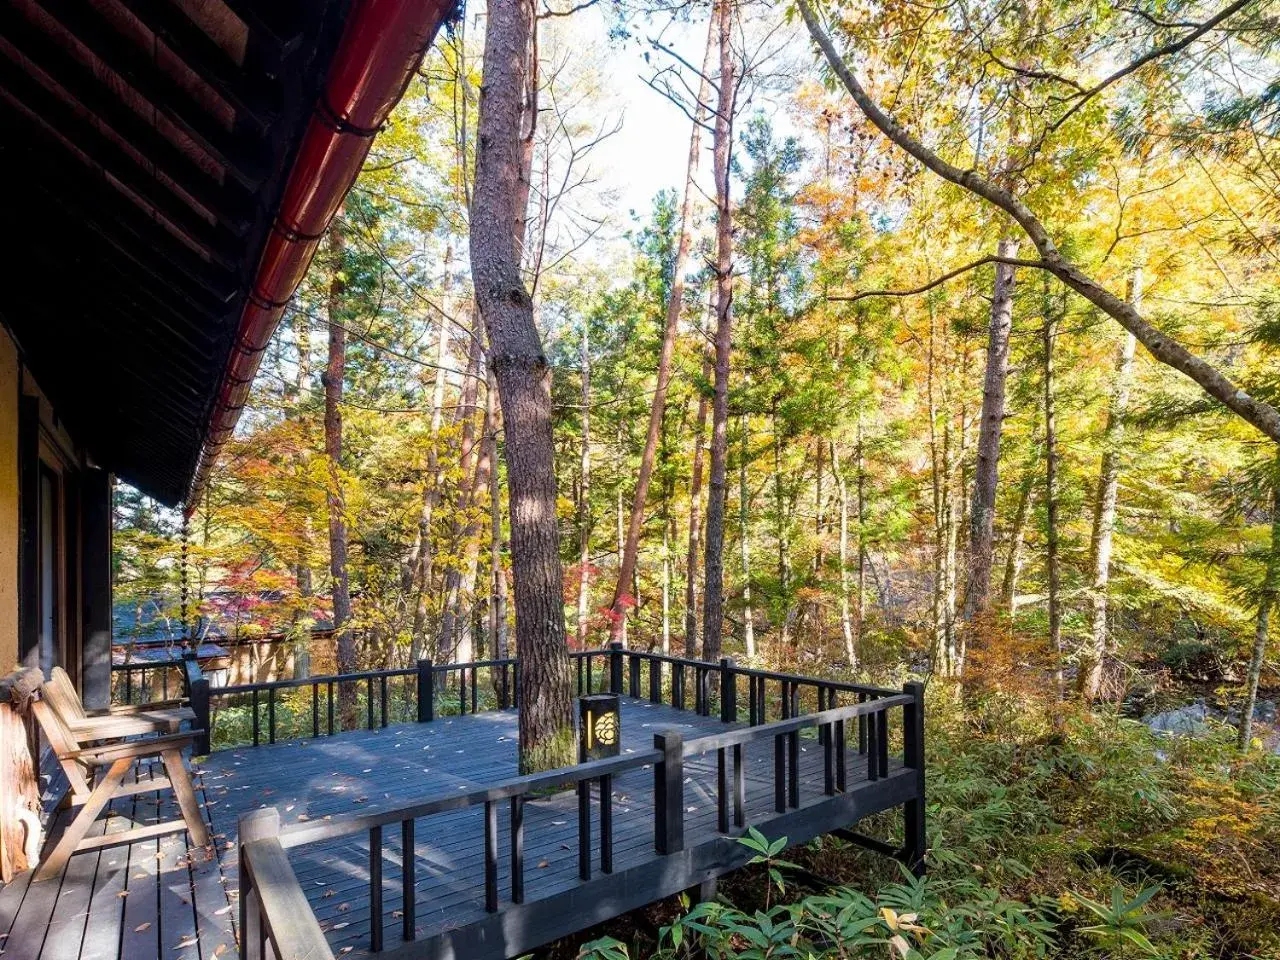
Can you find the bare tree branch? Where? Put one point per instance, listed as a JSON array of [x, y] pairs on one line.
[[951, 275]]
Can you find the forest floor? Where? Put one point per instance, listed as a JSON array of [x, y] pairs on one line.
[[1055, 831]]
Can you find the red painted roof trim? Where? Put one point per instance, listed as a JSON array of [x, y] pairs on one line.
[[381, 47]]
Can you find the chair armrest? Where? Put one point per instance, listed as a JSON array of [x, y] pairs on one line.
[[103, 728], [146, 747], [123, 710]]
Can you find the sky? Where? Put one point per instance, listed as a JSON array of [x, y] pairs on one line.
[[650, 150]]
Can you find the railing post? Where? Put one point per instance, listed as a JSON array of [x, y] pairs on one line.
[[426, 691], [913, 811], [668, 793], [197, 685], [255, 825], [615, 667], [728, 691]]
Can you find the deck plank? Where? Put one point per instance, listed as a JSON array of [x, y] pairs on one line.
[[140, 933], [106, 904]]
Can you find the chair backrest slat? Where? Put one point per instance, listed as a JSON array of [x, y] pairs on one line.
[[60, 691], [59, 735]]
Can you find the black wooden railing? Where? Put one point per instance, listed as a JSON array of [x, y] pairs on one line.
[[419, 693], [145, 681], [622, 671]]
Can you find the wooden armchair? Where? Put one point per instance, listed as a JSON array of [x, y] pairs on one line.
[[96, 774], [165, 716]]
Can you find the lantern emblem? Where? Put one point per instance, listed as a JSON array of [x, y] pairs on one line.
[[606, 729], [599, 727]]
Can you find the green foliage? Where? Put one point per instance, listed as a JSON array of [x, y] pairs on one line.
[[1121, 921]]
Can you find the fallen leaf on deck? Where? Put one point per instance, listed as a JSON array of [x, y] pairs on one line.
[[141, 927]]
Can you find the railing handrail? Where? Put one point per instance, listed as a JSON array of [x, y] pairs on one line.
[[300, 834], [705, 665], [318, 678], [800, 678], [763, 731]]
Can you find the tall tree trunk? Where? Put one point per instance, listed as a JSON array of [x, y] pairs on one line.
[[782, 534], [744, 537], [464, 527], [620, 518], [1089, 679], [424, 550], [860, 598], [695, 518], [1266, 603], [333, 376], [713, 616], [1052, 562], [982, 515], [584, 496], [846, 612], [465, 600], [1014, 561], [524, 389], [675, 303], [497, 570], [940, 469], [303, 614]]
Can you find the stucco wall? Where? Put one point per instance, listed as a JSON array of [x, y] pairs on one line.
[[9, 379]]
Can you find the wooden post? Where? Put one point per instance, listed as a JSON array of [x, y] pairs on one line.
[[615, 667], [728, 691], [426, 691], [668, 793], [20, 834], [254, 825], [197, 686], [913, 811], [95, 574]]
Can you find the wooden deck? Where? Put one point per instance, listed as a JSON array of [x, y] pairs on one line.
[[160, 900]]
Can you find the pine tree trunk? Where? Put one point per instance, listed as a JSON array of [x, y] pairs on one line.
[[695, 518], [620, 521], [332, 378], [713, 615], [1014, 562], [424, 552], [846, 612], [1089, 680], [465, 601], [940, 471], [1262, 625], [584, 496], [782, 535], [497, 570], [464, 527], [524, 389], [744, 536], [860, 597], [982, 515], [306, 546], [1052, 562], [675, 304]]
